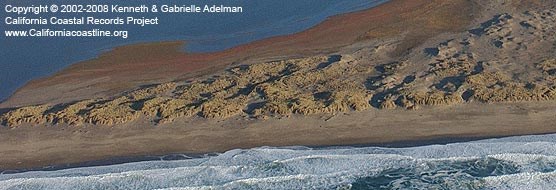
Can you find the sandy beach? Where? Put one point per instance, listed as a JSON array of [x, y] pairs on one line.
[[405, 71], [39, 146]]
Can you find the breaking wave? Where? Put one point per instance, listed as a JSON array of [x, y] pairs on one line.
[[526, 162]]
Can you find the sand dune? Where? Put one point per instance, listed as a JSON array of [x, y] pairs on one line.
[[406, 70]]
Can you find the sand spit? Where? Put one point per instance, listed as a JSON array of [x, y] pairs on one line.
[[415, 77], [299, 86], [129, 67], [457, 73]]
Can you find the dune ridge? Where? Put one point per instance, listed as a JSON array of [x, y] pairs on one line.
[[397, 72], [339, 83]]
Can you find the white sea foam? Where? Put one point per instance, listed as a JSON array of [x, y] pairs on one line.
[[527, 162], [535, 180]]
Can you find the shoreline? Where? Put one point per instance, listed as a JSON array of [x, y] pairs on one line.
[[159, 62], [39, 146], [448, 107], [185, 156], [195, 45]]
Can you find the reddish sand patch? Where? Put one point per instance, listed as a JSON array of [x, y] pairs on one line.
[[128, 67]]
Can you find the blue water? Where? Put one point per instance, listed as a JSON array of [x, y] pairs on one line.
[[24, 59], [526, 162]]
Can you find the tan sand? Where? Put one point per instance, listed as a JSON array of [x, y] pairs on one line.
[[131, 66], [465, 80], [37, 146]]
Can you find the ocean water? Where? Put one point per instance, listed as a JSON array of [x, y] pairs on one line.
[[28, 58], [526, 162]]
